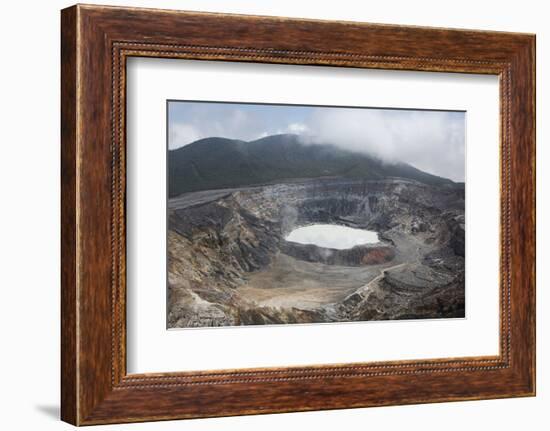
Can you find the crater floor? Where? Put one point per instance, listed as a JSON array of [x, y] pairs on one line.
[[289, 282]]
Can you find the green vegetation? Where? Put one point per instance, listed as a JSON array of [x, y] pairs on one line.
[[216, 163]]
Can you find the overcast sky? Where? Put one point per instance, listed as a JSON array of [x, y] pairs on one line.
[[433, 141]]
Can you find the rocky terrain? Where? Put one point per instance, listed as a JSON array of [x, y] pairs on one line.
[[229, 262]]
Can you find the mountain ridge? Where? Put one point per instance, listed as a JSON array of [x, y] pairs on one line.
[[217, 163]]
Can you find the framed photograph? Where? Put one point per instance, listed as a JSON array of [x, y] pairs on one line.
[[264, 214]]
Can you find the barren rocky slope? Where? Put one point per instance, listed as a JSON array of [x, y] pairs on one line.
[[229, 263]]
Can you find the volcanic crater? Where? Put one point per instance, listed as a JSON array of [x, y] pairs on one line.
[[230, 263]]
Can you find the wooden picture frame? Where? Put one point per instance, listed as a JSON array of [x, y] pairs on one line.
[[95, 43]]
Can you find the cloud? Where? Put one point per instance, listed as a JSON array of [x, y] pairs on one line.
[[298, 128], [190, 121], [181, 134], [432, 141]]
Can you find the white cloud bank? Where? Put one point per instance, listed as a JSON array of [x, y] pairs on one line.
[[432, 141]]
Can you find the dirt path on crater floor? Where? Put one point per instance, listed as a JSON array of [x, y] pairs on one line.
[[289, 282]]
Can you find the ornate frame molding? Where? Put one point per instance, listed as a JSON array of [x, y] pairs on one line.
[[96, 41]]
